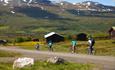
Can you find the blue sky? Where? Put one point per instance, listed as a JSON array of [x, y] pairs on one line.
[[105, 2]]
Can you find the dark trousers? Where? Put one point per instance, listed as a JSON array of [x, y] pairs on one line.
[[73, 49], [90, 49], [37, 47], [50, 48]]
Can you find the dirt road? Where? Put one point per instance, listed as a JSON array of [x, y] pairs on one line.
[[105, 62]]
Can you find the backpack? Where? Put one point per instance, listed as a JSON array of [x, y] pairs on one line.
[[93, 41]]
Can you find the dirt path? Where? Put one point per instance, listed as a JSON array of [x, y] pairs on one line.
[[105, 62]]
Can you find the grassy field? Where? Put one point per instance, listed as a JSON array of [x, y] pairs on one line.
[[5, 66], [40, 65], [9, 54], [65, 26], [102, 47]]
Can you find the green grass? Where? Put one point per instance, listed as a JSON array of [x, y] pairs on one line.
[[105, 47], [3, 27], [9, 54], [40, 65], [5, 66]]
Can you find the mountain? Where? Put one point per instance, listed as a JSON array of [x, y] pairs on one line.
[[57, 9], [87, 5], [21, 2], [94, 6], [86, 8]]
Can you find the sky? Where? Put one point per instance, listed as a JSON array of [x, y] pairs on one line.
[[105, 2]]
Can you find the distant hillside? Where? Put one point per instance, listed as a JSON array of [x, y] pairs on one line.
[[38, 19]]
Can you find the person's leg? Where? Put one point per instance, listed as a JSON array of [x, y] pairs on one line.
[[90, 50], [50, 48], [38, 47], [74, 49], [93, 51]]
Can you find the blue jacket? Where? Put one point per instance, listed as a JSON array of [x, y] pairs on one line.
[[74, 42]]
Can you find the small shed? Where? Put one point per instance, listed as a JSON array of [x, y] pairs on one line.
[[82, 36], [54, 37], [112, 32], [35, 40], [3, 42]]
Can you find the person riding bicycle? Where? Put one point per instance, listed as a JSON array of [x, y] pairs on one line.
[[91, 43], [73, 46], [50, 43], [37, 46]]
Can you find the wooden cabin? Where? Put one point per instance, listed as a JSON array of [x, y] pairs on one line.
[[112, 32], [54, 37]]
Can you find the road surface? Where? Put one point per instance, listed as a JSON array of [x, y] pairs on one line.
[[105, 62]]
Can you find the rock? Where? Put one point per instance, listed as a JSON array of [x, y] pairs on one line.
[[22, 62], [56, 60]]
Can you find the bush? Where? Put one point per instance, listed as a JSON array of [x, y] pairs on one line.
[[28, 39], [20, 39], [82, 37]]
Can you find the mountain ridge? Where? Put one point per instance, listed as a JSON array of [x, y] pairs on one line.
[[85, 5]]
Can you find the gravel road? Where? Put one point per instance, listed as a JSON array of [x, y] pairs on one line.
[[105, 62]]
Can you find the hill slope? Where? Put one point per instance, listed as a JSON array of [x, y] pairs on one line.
[[42, 18]]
